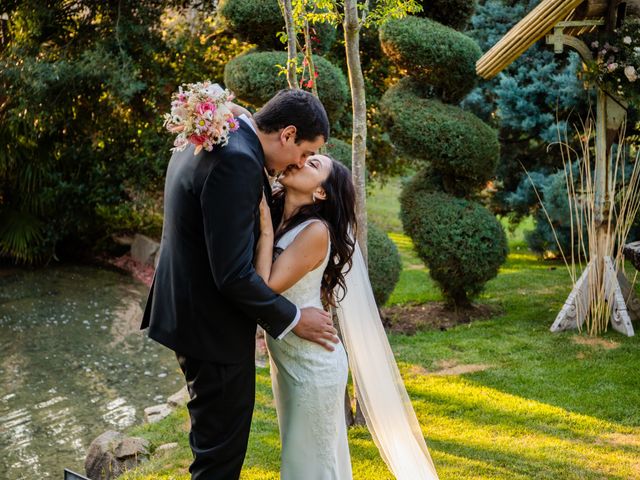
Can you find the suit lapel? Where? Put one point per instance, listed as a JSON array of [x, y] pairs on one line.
[[253, 142]]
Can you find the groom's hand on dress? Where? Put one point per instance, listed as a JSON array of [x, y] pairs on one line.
[[316, 326]]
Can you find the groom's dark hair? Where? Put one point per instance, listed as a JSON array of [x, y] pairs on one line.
[[298, 108]]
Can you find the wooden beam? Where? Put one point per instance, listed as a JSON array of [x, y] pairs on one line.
[[524, 34]]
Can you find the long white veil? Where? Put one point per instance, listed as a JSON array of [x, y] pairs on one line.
[[379, 387]]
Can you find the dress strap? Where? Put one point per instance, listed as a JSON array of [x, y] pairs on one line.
[[288, 237]]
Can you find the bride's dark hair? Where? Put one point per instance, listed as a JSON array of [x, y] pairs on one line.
[[338, 213]]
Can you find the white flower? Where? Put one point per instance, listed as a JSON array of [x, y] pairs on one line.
[[214, 90], [612, 66], [631, 73], [595, 44], [627, 40], [180, 142]]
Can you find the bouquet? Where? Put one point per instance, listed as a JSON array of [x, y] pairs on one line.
[[201, 115]]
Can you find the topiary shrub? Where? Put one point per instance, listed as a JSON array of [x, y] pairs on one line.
[[260, 22], [452, 13], [255, 21], [460, 241], [384, 264], [340, 150], [254, 78], [433, 53], [460, 148]]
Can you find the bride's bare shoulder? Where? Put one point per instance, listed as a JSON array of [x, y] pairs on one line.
[[312, 241], [316, 232]]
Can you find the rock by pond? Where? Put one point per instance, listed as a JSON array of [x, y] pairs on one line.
[[112, 453]]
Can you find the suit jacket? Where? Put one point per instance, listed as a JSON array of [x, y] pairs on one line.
[[206, 297]]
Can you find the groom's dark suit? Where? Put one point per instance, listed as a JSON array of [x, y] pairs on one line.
[[206, 297]]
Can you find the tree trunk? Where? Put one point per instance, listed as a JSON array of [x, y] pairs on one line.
[[348, 411], [292, 78], [359, 106], [308, 50], [359, 136]]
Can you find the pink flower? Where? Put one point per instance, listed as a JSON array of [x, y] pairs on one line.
[[201, 123], [233, 124], [180, 142], [203, 108], [176, 128], [612, 66]]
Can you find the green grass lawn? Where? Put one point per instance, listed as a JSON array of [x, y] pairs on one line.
[[532, 405]]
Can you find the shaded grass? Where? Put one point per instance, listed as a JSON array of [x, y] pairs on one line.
[[546, 408]]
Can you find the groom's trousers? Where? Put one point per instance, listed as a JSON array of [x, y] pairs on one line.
[[221, 407]]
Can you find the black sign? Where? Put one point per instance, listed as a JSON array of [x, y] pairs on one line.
[[69, 475]]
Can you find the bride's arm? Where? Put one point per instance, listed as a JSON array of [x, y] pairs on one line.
[[304, 254], [264, 251]]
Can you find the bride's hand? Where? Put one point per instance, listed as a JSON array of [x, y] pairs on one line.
[[237, 110], [266, 226]]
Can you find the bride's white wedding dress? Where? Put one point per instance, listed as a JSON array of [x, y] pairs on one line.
[[308, 386]]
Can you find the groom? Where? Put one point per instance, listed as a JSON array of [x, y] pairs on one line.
[[206, 297]]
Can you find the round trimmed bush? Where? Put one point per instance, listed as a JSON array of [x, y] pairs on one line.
[[452, 13], [340, 150], [460, 241], [254, 21], [433, 53], [459, 147], [384, 264], [260, 21], [254, 78]]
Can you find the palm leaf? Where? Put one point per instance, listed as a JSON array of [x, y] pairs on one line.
[[21, 236]]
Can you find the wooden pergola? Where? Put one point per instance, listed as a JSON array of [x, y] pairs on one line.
[[563, 22]]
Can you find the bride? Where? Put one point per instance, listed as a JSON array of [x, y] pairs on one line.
[[318, 263]]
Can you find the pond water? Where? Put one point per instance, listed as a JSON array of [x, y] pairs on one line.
[[72, 365]]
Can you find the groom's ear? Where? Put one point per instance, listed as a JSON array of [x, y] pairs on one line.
[[288, 134]]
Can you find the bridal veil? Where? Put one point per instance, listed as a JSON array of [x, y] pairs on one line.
[[379, 387]]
